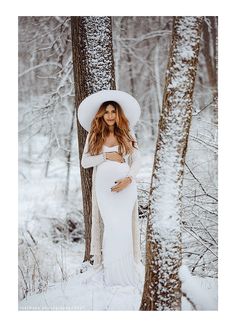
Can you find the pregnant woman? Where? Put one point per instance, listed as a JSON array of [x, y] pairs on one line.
[[111, 149]]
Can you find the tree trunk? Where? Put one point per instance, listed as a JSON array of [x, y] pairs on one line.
[[93, 66], [162, 288], [209, 44], [210, 53]]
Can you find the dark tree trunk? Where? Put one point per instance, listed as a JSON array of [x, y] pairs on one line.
[[210, 54], [209, 46], [93, 71]]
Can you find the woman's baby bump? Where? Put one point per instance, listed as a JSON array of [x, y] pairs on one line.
[[111, 170]]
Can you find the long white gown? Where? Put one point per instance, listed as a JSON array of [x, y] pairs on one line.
[[119, 267]]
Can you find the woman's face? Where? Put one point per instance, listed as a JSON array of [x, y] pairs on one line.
[[110, 115]]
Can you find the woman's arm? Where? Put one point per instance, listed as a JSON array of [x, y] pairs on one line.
[[91, 160], [136, 161]]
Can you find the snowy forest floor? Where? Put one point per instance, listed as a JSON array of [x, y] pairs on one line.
[[71, 295]]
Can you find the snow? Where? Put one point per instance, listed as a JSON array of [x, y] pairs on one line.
[[203, 292], [77, 294], [74, 294]]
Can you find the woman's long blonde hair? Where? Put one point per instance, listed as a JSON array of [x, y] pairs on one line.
[[100, 130]]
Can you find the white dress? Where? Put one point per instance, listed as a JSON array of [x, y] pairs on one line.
[[116, 212]]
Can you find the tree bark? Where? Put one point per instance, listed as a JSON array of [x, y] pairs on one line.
[[93, 67], [162, 288], [210, 53], [209, 46]]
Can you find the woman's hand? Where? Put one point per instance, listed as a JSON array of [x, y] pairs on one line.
[[121, 184], [115, 156]]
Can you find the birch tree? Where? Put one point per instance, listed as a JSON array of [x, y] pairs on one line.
[[93, 66], [162, 288]]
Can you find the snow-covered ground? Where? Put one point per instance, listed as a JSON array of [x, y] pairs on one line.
[[75, 295], [202, 292]]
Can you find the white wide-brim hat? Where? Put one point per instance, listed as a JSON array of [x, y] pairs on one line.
[[91, 104]]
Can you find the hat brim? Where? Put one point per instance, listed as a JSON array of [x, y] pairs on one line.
[[91, 104]]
